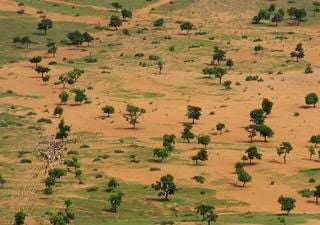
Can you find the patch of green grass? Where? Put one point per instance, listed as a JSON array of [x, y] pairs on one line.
[[311, 172], [176, 5]]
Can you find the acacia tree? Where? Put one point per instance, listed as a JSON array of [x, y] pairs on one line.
[[58, 111], [202, 155], [160, 66], [186, 26], [115, 201], [165, 186], [168, 141], [193, 112], [63, 96], [253, 153], [19, 218], [45, 24], [284, 149], [80, 95], [87, 38], [112, 184], [312, 99], [229, 63], [298, 53], [133, 114], [267, 106], [312, 152], [257, 48], [315, 139], [115, 22], [297, 14], [161, 153], [126, 13], [52, 48], [158, 23], [204, 140], [218, 55], [35, 60], [25, 40], [316, 193], [252, 132], [278, 16], [207, 212], [219, 73], [220, 127], [287, 203], [116, 5], [63, 130], [264, 131], [2, 181], [187, 133], [75, 38], [257, 116], [42, 70], [244, 177], [108, 109]]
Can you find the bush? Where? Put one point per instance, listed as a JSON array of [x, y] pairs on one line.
[[199, 179], [154, 57], [92, 189], [44, 120], [140, 54], [25, 161], [154, 169]]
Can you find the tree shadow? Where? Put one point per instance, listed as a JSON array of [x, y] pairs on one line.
[[275, 161], [236, 185]]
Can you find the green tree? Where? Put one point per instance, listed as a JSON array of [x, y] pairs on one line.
[[2, 181], [244, 177], [42, 70], [112, 185], [258, 48], [58, 111], [308, 69], [161, 153], [278, 17], [75, 38], [219, 73], [78, 175], [160, 66], [48, 191], [284, 149], [186, 26], [201, 155], [19, 218], [50, 181], [266, 106], [312, 151], [229, 63], [253, 153], [187, 134], [264, 131], [204, 140], [108, 109], [35, 60], [218, 55], [16, 40], [158, 23], [287, 203], [316, 193], [115, 201], [193, 112], [67, 203], [115, 22], [315, 139], [52, 48], [63, 96], [312, 99], [165, 186], [220, 127], [168, 141], [116, 5], [45, 24], [25, 41], [126, 13], [207, 212], [87, 38], [80, 95], [297, 14], [57, 173], [257, 116], [209, 71], [298, 53], [252, 132], [133, 114], [63, 130]]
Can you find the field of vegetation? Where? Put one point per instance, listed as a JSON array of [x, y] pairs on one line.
[[159, 112]]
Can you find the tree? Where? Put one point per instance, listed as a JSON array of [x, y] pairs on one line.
[[75, 38], [112, 184], [158, 23], [42, 70], [108, 109], [73, 162], [278, 17], [244, 177], [264, 131], [316, 4], [50, 181], [207, 212], [52, 48], [45, 24], [58, 111], [312, 151], [16, 40], [186, 133], [115, 22], [308, 69], [238, 166], [63, 130], [80, 95], [253, 153], [257, 116], [298, 53], [165, 186], [208, 71], [133, 114], [287, 203], [316, 193], [2, 181], [315, 139], [272, 8], [161, 153], [227, 84], [48, 191], [312, 99], [193, 112], [171, 49], [202, 155], [220, 127], [218, 55], [186, 26], [67, 203], [64, 96], [257, 48], [219, 73], [25, 41], [78, 175], [284, 149], [229, 63], [87, 38], [204, 140], [126, 13], [160, 66], [168, 141], [115, 201], [251, 129], [57, 173], [297, 14], [70, 77], [116, 5], [35, 60], [266, 106], [19, 218]]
